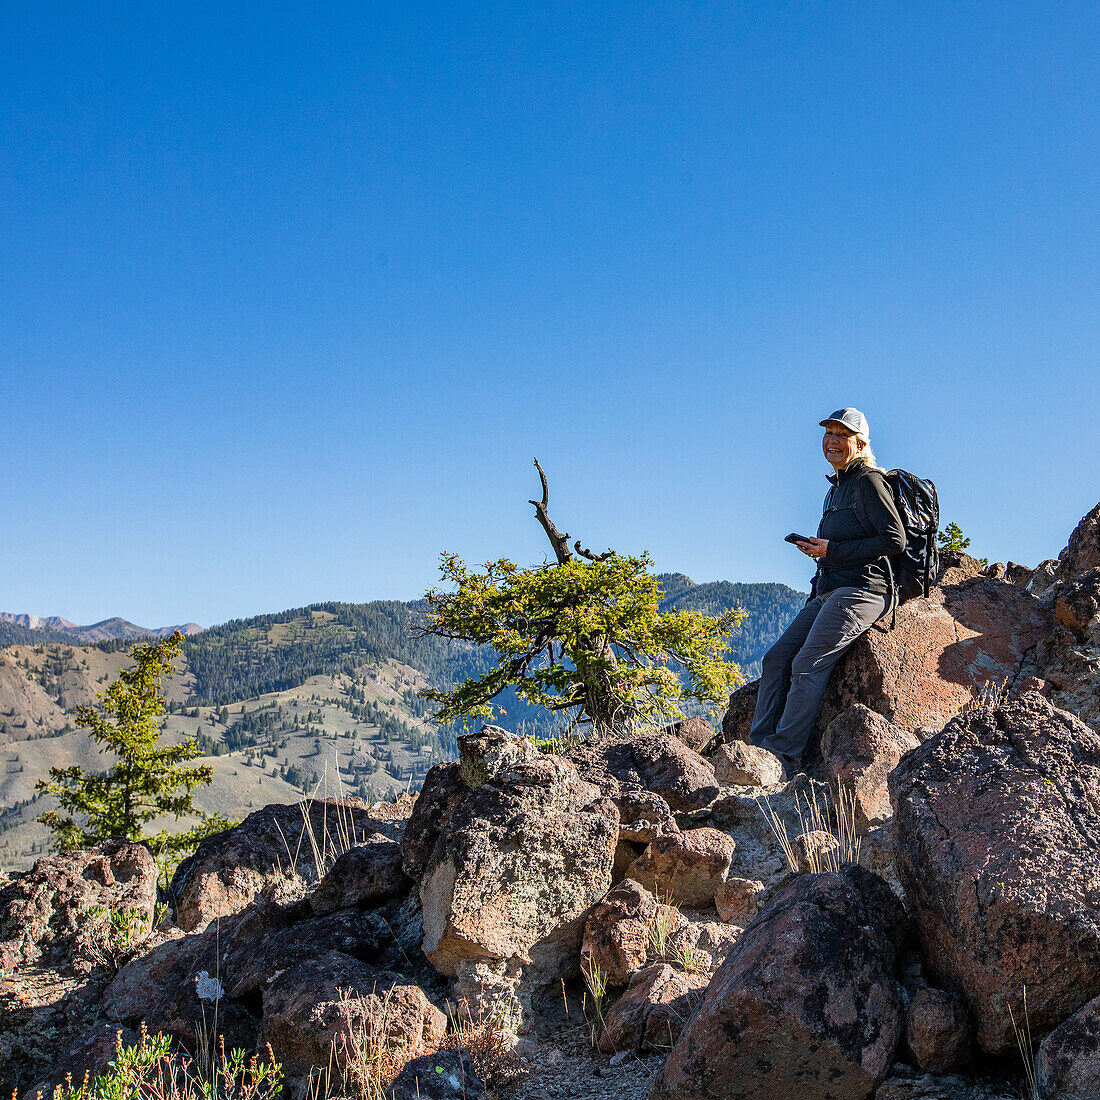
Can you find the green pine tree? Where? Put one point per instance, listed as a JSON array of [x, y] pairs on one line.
[[148, 780], [951, 538]]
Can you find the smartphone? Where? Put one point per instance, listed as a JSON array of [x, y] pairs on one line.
[[793, 538]]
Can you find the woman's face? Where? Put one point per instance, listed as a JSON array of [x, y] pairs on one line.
[[840, 446]]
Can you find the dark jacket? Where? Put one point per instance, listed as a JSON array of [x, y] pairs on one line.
[[862, 525]]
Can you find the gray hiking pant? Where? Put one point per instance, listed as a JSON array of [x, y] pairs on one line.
[[796, 669]]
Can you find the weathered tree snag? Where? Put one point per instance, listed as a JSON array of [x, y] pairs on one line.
[[607, 711]]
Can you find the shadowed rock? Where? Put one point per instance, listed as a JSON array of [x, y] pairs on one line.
[[806, 1004], [997, 824]]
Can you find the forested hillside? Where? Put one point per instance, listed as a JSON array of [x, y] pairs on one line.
[[279, 704]]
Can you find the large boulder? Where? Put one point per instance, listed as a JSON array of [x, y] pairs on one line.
[[514, 871], [1067, 1066], [974, 632], [807, 1002], [59, 910], [997, 824], [278, 851], [858, 751]]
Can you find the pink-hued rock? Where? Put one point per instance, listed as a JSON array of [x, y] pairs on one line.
[[738, 764], [996, 822], [643, 816], [617, 932], [49, 913], [652, 1013], [686, 868], [939, 1031], [738, 899], [972, 632], [316, 1014], [1067, 1066], [806, 1004], [1082, 552], [859, 750], [270, 852]]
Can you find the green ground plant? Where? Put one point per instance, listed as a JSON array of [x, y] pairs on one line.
[[150, 1070]]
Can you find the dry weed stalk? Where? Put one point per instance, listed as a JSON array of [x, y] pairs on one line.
[[1026, 1048], [836, 816]]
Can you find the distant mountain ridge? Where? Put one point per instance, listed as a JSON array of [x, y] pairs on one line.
[[27, 629]]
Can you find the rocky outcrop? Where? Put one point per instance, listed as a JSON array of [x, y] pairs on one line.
[[59, 911], [277, 852], [686, 867], [514, 871], [997, 821], [805, 1004], [858, 751], [653, 1012], [1067, 1066]]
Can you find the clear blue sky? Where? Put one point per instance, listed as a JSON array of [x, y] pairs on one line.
[[292, 294]]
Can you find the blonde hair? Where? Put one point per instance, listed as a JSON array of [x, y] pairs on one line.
[[866, 453]]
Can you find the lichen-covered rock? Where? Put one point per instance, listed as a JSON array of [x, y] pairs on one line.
[[366, 874], [492, 753], [807, 1002], [273, 852], [643, 816], [1067, 1066], [652, 1013], [938, 1030], [738, 764], [618, 931], [997, 823], [323, 1012], [56, 911], [859, 750], [686, 867], [516, 868]]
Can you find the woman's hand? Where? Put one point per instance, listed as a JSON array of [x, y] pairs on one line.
[[814, 548]]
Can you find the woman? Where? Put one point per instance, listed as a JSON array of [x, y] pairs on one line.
[[859, 528]]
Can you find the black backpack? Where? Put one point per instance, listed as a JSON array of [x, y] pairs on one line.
[[915, 568]]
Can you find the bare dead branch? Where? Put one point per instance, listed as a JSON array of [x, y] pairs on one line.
[[589, 555], [558, 541]]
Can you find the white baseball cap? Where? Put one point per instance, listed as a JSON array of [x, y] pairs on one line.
[[852, 419]]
